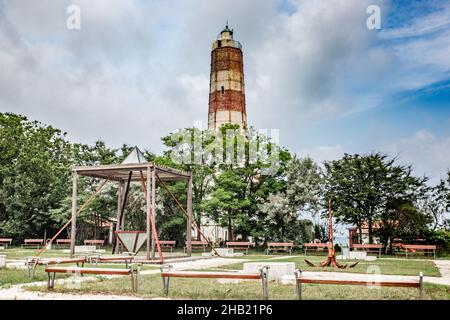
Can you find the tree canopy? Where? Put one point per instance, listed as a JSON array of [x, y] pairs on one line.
[[242, 181]]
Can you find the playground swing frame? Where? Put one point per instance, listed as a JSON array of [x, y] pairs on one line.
[[146, 173]]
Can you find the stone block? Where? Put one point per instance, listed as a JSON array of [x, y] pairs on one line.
[[224, 252], [276, 269]]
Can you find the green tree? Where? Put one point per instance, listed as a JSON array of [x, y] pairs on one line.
[[242, 183], [34, 175], [301, 192], [362, 186]]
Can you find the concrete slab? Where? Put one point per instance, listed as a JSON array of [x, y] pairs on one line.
[[276, 269], [2, 261], [224, 252]]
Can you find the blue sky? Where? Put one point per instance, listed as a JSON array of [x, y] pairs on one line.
[[138, 70]]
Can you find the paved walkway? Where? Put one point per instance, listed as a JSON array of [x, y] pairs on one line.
[[444, 269]]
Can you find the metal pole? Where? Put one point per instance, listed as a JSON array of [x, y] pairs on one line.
[[298, 276], [119, 214], [148, 201], [73, 231], [153, 210], [421, 286], [189, 222]]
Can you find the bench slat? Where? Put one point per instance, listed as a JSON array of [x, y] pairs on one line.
[[33, 240], [211, 275], [167, 242], [115, 258], [63, 240], [105, 271], [280, 244], [419, 247], [57, 261], [368, 246], [360, 282], [315, 245]]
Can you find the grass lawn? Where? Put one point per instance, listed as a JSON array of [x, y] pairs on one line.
[[387, 266], [19, 253], [9, 277], [150, 286]]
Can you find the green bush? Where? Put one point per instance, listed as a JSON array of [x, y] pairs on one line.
[[441, 238]]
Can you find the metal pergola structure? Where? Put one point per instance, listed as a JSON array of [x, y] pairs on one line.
[[148, 174]]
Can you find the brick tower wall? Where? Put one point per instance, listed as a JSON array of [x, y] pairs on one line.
[[227, 90]]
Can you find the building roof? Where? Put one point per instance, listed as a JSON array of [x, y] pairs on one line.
[[136, 164], [135, 156]]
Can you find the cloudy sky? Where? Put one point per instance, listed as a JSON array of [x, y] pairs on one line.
[[137, 70]]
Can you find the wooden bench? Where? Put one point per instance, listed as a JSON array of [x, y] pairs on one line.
[[132, 271], [375, 248], [167, 273], [167, 244], [357, 279], [32, 243], [198, 245], [6, 242], [240, 245], [32, 262], [126, 259], [94, 243], [419, 248], [62, 242], [315, 246], [280, 246]]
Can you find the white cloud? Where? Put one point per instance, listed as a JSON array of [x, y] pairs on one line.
[[324, 153], [428, 154], [138, 70]]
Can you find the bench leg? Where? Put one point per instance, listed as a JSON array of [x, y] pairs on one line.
[[299, 290], [134, 285], [298, 283], [421, 286], [51, 280], [34, 270], [166, 285], [264, 279], [27, 263]]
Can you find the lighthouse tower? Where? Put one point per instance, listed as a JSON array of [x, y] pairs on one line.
[[226, 91]]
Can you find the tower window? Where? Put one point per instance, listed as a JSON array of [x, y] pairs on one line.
[[219, 43], [222, 89]]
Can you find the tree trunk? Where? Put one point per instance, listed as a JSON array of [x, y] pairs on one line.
[[230, 230], [370, 231], [199, 224], [360, 233]]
